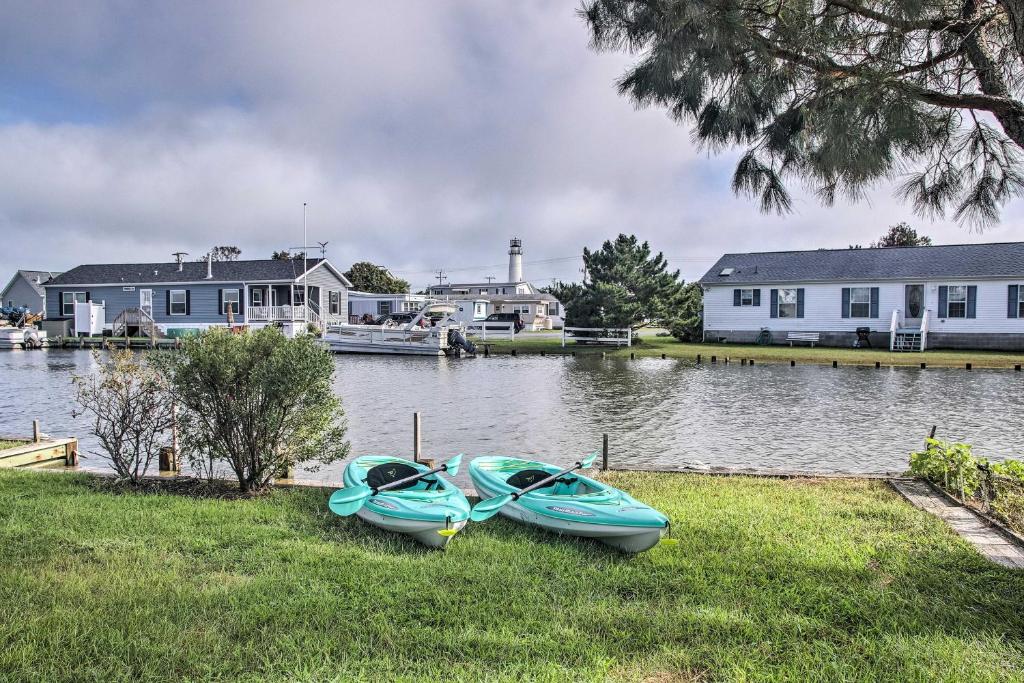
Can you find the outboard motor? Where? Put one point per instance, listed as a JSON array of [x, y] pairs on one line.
[[458, 340]]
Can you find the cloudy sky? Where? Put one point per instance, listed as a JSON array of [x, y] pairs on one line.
[[422, 135]]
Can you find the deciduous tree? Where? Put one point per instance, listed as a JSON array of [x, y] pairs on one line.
[[368, 277]]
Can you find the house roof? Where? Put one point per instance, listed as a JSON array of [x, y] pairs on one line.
[[31, 276], [191, 271], [970, 261]]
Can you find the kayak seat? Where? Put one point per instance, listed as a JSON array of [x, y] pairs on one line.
[[388, 472], [524, 478]]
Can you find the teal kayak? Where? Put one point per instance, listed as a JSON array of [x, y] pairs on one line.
[[430, 510], [573, 504]]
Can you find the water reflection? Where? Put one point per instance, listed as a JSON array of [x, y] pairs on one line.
[[658, 413]]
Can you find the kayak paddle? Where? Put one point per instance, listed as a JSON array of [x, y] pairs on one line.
[[348, 500], [486, 509]]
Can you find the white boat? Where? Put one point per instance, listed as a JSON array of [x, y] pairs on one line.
[[22, 338], [426, 334]]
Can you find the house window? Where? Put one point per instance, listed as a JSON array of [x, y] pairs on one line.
[[553, 308], [522, 309], [68, 301], [230, 302], [746, 297], [860, 302], [383, 308], [297, 296], [787, 303], [1020, 301], [410, 306], [957, 301], [335, 302], [257, 297], [178, 302]]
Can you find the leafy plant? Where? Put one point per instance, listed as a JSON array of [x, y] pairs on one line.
[[130, 408], [257, 402], [369, 277], [952, 466]]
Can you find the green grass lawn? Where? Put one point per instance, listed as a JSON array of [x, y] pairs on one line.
[[652, 345], [772, 580], [9, 443]]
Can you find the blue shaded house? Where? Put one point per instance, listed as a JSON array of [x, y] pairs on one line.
[[171, 298]]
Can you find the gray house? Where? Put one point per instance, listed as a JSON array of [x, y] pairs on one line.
[[26, 289], [175, 297], [967, 296]]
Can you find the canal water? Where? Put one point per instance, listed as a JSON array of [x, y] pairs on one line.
[[662, 414]]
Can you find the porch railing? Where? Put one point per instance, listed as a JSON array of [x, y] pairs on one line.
[[277, 313]]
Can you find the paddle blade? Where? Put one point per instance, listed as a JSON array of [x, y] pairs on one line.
[[669, 541], [348, 500], [447, 532], [589, 460], [452, 466], [486, 509]]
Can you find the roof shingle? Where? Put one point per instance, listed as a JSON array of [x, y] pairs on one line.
[[191, 271]]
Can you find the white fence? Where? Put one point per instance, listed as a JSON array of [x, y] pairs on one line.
[[487, 331], [598, 335]]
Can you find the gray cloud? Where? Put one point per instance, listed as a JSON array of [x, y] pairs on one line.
[[422, 135]]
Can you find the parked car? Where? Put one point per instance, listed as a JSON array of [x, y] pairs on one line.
[[395, 319], [506, 318]]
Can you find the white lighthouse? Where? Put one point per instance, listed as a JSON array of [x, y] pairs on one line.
[[515, 260]]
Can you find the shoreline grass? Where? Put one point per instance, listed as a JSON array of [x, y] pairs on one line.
[[654, 346], [11, 443], [798, 579]]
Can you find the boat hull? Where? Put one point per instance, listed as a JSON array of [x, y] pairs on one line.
[[426, 532], [575, 505]]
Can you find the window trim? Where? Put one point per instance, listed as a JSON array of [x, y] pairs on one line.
[[252, 296], [950, 301], [795, 303], [236, 306], [743, 297], [334, 302], [381, 305], [1020, 300], [183, 303], [74, 300], [866, 302]]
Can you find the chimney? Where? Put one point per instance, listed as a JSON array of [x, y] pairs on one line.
[[209, 266], [515, 260]]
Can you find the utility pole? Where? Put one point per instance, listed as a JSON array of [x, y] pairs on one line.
[[440, 277], [305, 292], [490, 279]]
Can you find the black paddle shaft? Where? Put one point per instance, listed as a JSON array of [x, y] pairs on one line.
[[406, 480], [546, 480]]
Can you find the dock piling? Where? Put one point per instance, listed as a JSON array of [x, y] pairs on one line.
[[792, 363], [968, 366], [35, 431], [604, 453], [416, 444], [924, 366], [878, 364], [1017, 367], [835, 364]]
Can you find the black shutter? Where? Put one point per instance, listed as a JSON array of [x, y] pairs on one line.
[[735, 297], [168, 302], [188, 302], [241, 302], [757, 297], [800, 302], [775, 303], [88, 296], [1012, 302], [943, 301], [220, 302], [874, 302], [972, 301], [846, 302]]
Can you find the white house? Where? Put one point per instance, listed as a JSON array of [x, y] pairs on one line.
[[968, 296], [370, 303], [539, 310]]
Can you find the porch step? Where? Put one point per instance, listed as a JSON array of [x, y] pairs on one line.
[[907, 341]]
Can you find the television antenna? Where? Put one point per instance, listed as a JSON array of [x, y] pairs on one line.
[[440, 277], [323, 249], [490, 279]]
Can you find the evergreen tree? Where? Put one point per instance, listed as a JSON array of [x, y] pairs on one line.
[[624, 286], [368, 277], [838, 94], [902, 235]]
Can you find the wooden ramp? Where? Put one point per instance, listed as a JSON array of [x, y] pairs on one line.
[[964, 521], [42, 453]]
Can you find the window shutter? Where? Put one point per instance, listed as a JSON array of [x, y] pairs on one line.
[[874, 302], [800, 302], [241, 303], [775, 303], [972, 301], [757, 297], [735, 297], [943, 301], [846, 302], [1011, 301], [188, 302], [168, 302], [88, 296], [220, 302]]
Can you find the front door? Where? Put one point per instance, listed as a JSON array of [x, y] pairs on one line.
[[146, 301], [914, 305]]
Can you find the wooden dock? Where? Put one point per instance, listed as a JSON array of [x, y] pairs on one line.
[[114, 342], [44, 452]]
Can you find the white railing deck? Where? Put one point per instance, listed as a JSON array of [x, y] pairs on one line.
[[279, 313], [606, 335], [484, 330]]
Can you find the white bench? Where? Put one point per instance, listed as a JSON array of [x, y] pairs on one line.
[[810, 337]]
